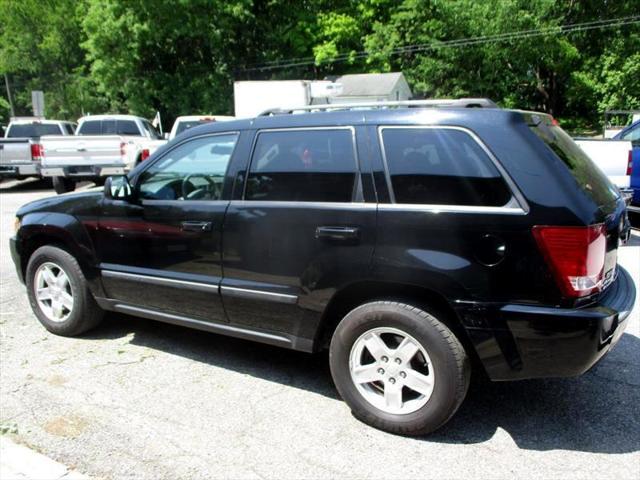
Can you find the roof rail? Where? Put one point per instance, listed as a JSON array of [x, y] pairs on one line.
[[435, 103]]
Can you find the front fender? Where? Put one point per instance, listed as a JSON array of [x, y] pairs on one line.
[[47, 228]]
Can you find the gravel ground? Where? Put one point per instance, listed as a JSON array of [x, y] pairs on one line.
[[141, 399]]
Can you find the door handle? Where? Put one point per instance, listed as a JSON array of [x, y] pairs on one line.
[[195, 226], [338, 234]]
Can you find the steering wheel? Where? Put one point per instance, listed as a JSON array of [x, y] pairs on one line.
[[189, 191]]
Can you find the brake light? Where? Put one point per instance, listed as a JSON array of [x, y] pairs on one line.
[[144, 154], [630, 163], [37, 152], [576, 256], [123, 149]]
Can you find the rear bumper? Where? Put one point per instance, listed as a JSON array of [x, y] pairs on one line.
[[84, 171], [13, 171], [522, 341]]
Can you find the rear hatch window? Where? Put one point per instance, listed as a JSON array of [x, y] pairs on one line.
[[588, 176], [33, 130]]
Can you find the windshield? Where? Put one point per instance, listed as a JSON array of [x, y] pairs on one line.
[[589, 177], [21, 130]]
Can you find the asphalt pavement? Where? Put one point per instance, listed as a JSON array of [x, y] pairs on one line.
[[140, 399]]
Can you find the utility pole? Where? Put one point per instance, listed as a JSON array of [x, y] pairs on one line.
[[6, 82]]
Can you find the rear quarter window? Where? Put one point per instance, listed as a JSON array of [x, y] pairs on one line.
[[441, 166]]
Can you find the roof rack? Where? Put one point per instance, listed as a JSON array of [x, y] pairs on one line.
[[434, 103]]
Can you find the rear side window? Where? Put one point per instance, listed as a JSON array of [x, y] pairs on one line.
[[303, 166], [438, 166], [127, 127], [91, 127]]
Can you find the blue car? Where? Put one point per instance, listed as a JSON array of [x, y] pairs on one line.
[[632, 134]]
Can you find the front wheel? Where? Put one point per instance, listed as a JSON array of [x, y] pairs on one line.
[[63, 185], [58, 293], [398, 367]]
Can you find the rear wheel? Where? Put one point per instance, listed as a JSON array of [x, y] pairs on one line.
[[398, 367], [63, 185], [58, 293]]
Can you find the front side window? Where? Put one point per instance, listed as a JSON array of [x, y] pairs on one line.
[[303, 166], [440, 166], [194, 170]]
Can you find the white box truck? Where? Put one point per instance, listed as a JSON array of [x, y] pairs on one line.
[[254, 97]]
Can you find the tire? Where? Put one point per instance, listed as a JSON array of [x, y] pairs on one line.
[[439, 368], [72, 318], [63, 185]]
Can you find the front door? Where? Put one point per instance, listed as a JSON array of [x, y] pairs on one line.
[[300, 231], [161, 251]]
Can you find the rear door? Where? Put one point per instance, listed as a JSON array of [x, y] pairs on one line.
[[298, 230]]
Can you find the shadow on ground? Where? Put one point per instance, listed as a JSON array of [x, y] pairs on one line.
[[26, 186], [597, 412]]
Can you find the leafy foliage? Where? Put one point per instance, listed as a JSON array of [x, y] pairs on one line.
[[182, 56]]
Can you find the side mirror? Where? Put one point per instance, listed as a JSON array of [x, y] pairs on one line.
[[118, 188], [165, 135]]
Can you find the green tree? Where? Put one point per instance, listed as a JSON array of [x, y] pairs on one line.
[[40, 50]]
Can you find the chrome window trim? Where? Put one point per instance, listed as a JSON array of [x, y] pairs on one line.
[[162, 281], [357, 188], [204, 287], [258, 294], [522, 209], [310, 205]]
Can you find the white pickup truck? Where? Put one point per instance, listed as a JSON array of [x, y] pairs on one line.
[[613, 157], [21, 149], [103, 145]]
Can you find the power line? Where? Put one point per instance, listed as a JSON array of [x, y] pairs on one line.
[[463, 42]]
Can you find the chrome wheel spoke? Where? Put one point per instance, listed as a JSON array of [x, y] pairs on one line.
[[56, 308], [66, 300], [366, 373], [418, 382], [393, 395], [377, 348], [48, 276], [43, 294], [406, 350]]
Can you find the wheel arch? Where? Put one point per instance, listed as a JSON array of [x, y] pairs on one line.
[[353, 295], [62, 231]]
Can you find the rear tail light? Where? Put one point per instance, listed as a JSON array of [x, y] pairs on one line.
[[576, 256], [630, 163], [123, 149], [144, 154], [37, 152]]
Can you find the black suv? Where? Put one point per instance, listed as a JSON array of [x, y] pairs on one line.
[[413, 243]]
